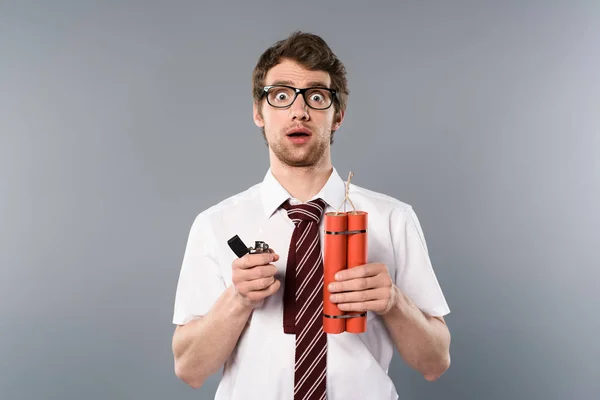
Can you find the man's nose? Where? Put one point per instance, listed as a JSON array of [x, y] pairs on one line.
[[299, 109]]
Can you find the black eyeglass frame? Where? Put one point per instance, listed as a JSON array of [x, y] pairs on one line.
[[303, 92]]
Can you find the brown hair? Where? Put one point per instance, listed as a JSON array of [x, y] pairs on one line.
[[313, 53]]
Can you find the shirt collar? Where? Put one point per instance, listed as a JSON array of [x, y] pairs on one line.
[[273, 194]]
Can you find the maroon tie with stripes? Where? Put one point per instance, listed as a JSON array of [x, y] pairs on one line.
[[303, 301]]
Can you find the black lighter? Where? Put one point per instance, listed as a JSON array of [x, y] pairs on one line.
[[240, 249]]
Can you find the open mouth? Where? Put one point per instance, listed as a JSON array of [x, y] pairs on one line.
[[299, 133], [299, 136]]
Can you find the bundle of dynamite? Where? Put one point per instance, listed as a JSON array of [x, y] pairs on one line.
[[345, 246]]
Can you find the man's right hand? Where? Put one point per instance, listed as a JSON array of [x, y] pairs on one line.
[[202, 346], [253, 277]]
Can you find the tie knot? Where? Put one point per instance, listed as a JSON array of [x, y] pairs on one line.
[[311, 211]]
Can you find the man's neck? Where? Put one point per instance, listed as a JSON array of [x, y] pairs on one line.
[[302, 182]]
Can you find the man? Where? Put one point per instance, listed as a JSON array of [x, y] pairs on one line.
[[249, 316]]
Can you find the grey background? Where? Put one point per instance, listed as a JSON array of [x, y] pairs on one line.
[[116, 119]]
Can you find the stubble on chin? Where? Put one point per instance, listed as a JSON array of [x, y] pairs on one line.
[[294, 157]]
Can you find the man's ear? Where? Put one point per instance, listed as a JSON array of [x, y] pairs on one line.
[[337, 121], [258, 119]]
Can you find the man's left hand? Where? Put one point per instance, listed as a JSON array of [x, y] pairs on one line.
[[367, 287]]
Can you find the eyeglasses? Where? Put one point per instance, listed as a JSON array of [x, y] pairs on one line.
[[282, 96]]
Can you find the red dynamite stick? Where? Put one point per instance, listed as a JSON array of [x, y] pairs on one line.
[[334, 260], [357, 255]]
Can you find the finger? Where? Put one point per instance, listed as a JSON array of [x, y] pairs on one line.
[[360, 271], [275, 255], [364, 306], [255, 285], [252, 260], [257, 295], [360, 296], [355, 284], [261, 271]]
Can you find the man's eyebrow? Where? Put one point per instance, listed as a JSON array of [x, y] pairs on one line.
[[288, 83], [309, 84], [317, 83]]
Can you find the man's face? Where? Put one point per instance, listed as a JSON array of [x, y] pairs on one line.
[[279, 124]]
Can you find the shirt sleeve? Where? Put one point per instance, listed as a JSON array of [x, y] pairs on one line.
[[200, 280], [414, 274]]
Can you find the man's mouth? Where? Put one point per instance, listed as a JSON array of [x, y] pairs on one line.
[[299, 135], [299, 132]]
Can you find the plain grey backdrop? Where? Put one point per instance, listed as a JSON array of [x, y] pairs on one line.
[[120, 121]]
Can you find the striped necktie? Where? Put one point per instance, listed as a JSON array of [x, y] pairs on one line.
[[303, 301]]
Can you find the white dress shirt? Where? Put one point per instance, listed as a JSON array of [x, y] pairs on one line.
[[262, 364]]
